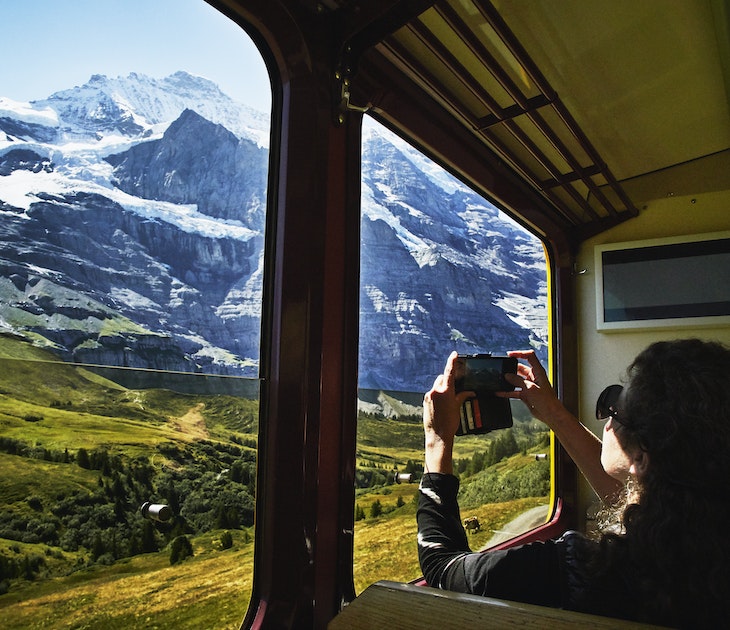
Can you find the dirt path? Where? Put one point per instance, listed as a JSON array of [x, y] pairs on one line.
[[192, 424]]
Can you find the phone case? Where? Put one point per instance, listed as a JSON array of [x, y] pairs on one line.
[[485, 413]]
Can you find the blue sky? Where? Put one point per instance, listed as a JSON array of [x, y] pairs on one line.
[[52, 45]]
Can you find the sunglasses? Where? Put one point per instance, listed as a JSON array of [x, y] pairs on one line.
[[607, 404]]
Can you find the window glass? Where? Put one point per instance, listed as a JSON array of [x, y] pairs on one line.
[[442, 269], [133, 173]]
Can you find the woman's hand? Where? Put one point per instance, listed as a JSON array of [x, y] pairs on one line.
[[583, 446], [441, 419], [533, 387]]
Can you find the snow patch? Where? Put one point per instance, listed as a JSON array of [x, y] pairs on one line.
[[21, 188], [28, 113]]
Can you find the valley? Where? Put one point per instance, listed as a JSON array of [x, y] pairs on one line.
[[80, 453]]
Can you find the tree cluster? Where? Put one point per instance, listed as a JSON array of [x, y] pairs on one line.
[[208, 485]]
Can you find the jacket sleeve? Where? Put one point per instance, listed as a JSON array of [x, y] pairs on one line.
[[529, 573], [441, 538]]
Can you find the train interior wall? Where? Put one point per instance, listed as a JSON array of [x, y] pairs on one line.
[[604, 356]]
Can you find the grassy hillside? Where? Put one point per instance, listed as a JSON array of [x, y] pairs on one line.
[[63, 406], [80, 453], [209, 590], [385, 547], [212, 589]]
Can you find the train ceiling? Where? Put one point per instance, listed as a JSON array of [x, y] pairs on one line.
[[595, 107]]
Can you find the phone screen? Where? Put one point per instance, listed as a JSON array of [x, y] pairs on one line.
[[484, 373]]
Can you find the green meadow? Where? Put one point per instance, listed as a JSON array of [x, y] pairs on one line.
[[80, 453]]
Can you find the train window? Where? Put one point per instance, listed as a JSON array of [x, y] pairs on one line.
[[441, 269], [133, 176]]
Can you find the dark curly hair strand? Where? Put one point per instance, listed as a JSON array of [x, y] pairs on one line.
[[674, 549]]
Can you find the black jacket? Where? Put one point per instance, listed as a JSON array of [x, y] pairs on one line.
[[554, 573]]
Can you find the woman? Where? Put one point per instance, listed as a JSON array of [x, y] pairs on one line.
[[665, 456]]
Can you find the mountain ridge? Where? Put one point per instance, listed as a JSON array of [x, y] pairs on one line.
[[169, 272]]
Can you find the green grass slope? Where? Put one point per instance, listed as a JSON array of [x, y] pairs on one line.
[[79, 453]]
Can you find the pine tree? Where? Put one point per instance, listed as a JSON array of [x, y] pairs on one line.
[[82, 458], [359, 513], [180, 549], [173, 499], [226, 540], [149, 539], [97, 548], [376, 509]]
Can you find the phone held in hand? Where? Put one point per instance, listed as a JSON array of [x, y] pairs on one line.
[[483, 374]]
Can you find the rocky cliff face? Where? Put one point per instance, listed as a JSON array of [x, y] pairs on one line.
[[198, 162], [140, 243], [437, 266], [107, 286]]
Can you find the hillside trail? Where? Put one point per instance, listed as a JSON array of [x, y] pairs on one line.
[[192, 424]]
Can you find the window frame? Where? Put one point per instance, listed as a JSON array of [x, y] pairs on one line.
[[305, 499]]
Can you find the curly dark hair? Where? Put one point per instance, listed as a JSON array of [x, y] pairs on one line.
[[674, 550]]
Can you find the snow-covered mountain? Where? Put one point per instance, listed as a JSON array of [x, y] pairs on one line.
[[442, 269], [132, 228], [135, 106]]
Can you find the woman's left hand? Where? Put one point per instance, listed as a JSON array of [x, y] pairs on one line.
[[533, 387]]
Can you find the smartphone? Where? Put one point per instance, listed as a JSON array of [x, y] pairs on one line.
[[484, 374]]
